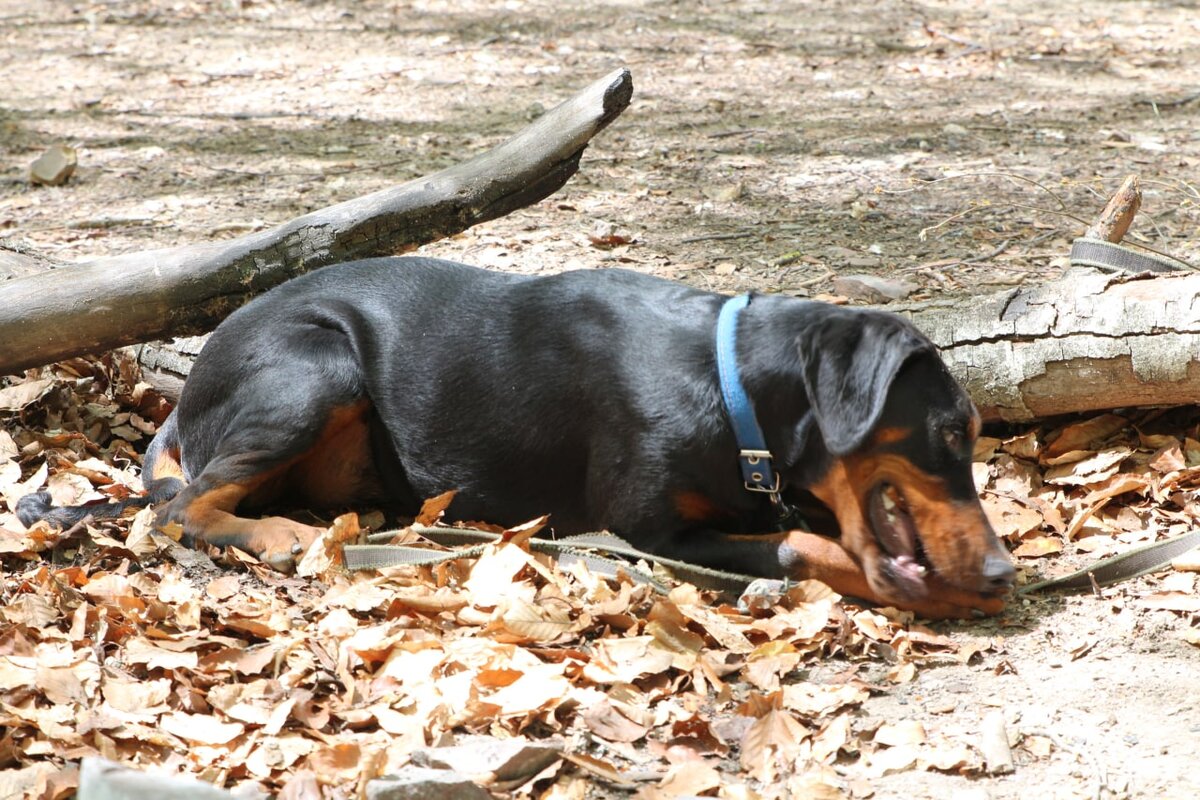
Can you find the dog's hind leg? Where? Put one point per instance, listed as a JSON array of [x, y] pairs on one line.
[[316, 453], [162, 475], [206, 511]]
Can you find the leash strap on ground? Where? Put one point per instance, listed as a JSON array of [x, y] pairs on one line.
[[1125, 566], [582, 548], [1109, 256]]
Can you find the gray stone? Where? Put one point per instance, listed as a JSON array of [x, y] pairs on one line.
[[420, 783], [506, 760], [872, 289], [101, 779], [54, 166]]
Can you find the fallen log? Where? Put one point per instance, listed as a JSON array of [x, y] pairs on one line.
[[1089, 341], [103, 304]]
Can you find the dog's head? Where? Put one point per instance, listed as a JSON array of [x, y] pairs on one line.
[[896, 436]]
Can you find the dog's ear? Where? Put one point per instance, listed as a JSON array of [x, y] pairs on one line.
[[850, 359]]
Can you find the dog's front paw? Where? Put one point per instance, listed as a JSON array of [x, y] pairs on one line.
[[280, 542]]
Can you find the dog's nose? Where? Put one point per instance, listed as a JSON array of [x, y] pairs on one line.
[[998, 572]]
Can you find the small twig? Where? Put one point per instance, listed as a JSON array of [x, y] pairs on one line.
[[788, 258], [988, 257], [738, 132], [1183, 187], [1010, 175], [970, 51], [811, 281], [1082, 755], [70, 535], [941, 262], [950, 37], [715, 237], [1041, 238], [76, 529], [1154, 224], [939, 277], [924, 232], [1167, 103]]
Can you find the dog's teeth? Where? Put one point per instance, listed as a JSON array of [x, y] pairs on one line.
[[921, 570], [888, 502]]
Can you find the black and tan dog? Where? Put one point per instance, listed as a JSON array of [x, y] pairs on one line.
[[592, 396]]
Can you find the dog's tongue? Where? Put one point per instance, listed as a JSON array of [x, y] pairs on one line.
[[909, 567]]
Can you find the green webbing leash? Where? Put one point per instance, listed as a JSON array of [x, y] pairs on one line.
[[1128, 565], [587, 548], [584, 547], [1110, 256]]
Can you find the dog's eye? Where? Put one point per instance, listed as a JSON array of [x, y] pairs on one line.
[[955, 439]]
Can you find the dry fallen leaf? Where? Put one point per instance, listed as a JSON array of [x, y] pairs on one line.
[[605, 721], [1039, 546], [1010, 518], [200, 728], [434, 508], [773, 744], [20, 395], [901, 732], [1083, 435]]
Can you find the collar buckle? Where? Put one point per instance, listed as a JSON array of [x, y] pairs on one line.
[[757, 472]]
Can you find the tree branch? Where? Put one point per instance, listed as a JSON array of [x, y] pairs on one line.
[[110, 302]]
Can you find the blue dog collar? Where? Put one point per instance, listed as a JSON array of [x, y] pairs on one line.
[[753, 455]]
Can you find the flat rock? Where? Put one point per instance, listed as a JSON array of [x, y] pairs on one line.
[[873, 289], [101, 779], [54, 166], [421, 783], [504, 760]]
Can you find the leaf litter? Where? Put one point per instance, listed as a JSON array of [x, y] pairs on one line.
[[115, 642]]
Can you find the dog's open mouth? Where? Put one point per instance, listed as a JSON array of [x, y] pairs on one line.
[[894, 529]]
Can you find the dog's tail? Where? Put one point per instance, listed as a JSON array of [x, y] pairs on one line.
[[162, 472]]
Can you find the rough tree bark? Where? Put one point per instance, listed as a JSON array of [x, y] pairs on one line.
[[1088, 341], [1114, 221], [110, 302]]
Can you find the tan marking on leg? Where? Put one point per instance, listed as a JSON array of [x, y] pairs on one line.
[[167, 465], [209, 518]]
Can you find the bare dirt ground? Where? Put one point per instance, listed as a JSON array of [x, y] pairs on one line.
[[770, 145]]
